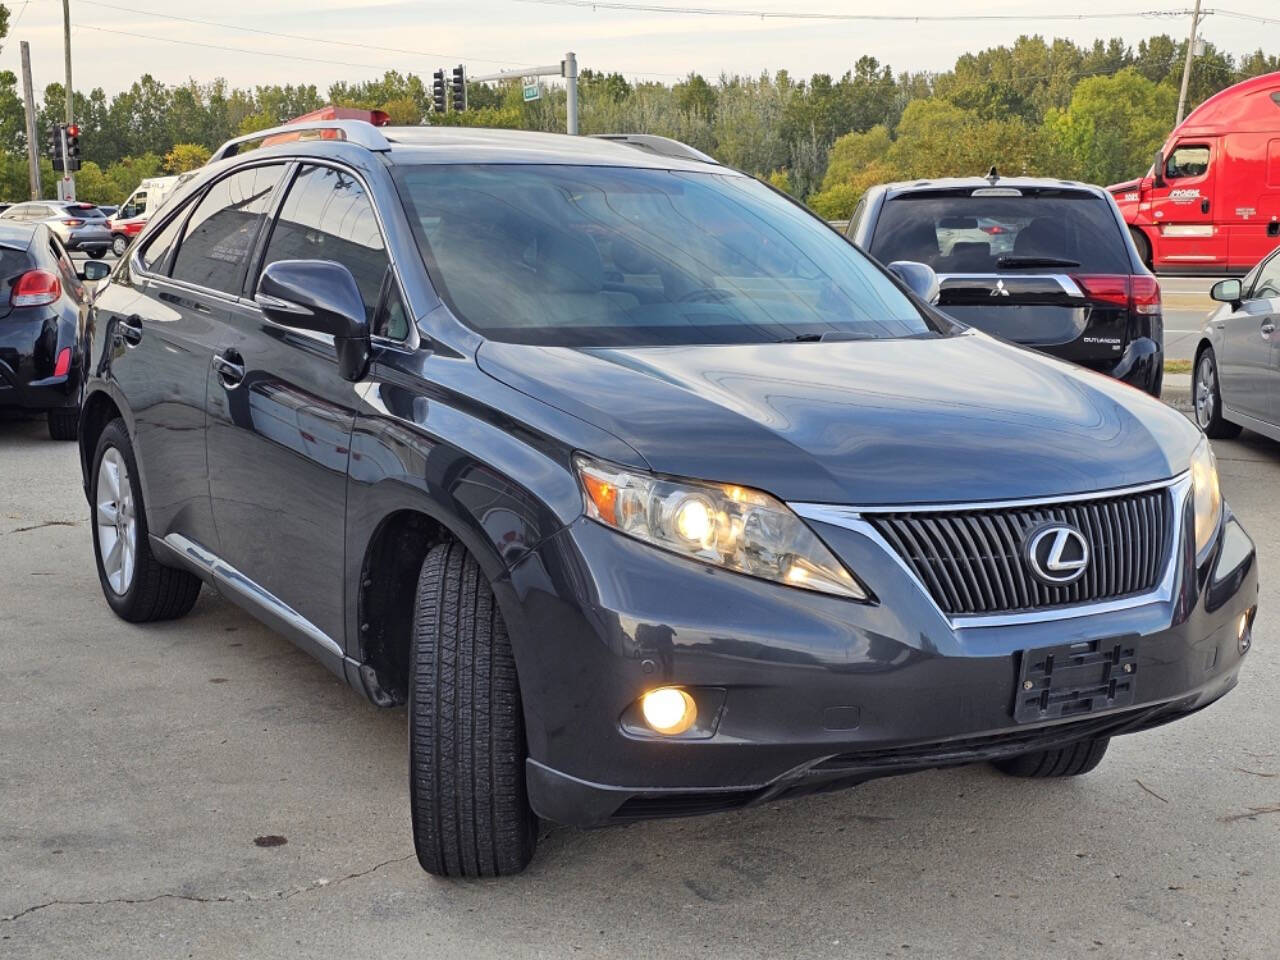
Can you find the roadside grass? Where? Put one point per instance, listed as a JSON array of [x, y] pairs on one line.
[[1177, 366]]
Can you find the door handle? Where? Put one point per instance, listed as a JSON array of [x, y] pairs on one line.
[[1268, 329], [130, 328], [1204, 205], [230, 368]]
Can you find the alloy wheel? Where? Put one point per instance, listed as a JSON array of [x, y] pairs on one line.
[[117, 521], [1206, 391]]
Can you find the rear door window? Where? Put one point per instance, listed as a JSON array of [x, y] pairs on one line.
[[222, 229], [982, 233]]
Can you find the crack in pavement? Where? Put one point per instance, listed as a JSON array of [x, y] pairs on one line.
[[47, 523], [320, 884]]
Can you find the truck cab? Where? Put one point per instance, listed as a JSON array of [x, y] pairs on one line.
[[1210, 203]]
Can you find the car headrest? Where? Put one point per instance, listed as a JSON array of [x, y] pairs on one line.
[[1042, 237], [569, 263]]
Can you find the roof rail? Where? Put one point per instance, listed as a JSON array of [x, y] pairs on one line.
[[662, 146], [360, 132]]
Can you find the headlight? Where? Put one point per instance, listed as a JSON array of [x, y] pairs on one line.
[[1207, 495], [733, 527]]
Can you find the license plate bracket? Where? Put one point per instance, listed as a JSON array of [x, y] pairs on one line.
[[1071, 679]]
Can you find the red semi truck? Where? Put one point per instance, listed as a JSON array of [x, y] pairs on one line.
[[1210, 203]]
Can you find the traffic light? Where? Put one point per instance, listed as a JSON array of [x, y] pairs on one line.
[[458, 85], [53, 143], [437, 92], [73, 146]]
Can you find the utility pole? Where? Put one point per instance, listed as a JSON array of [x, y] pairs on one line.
[[67, 186], [1186, 66], [567, 68], [33, 147]]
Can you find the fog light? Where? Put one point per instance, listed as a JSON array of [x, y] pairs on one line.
[[669, 710], [1244, 629]]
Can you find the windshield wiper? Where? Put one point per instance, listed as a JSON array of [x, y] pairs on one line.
[[828, 336], [1015, 263]]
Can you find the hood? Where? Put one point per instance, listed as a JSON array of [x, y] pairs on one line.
[[1128, 185], [961, 418]]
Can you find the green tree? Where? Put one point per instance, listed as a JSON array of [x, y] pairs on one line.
[[186, 156], [1113, 125]]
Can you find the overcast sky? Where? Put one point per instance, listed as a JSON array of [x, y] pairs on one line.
[[489, 35]]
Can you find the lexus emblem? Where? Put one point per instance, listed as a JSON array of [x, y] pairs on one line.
[[1057, 554], [999, 290]]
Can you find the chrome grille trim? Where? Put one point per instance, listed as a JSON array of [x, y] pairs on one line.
[[859, 520]]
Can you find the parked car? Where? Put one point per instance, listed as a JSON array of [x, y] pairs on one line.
[[646, 492], [1045, 263], [43, 332], [78, 226], [1237, 367], [1210, 203], [124, 230]]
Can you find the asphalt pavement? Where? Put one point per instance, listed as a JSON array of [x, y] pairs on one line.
[[1186, 309], [139, 765]]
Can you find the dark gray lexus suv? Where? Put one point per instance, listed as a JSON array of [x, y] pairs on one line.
[[644, 490]]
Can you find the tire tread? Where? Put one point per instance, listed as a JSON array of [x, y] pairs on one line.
[[1073, 760]]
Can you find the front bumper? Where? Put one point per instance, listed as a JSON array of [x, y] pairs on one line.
[[802, 692]]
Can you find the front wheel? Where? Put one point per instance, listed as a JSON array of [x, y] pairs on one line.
[[1207, 398], [471, 814], [119, 244], [1073, 760], [1144, 246]]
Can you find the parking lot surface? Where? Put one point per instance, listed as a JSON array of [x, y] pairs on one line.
[[139, 764]]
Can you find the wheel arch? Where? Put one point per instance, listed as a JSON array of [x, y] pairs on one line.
[[99, 409]]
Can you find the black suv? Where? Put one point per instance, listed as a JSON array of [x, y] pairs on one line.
[[1048, 264], [646, 491]]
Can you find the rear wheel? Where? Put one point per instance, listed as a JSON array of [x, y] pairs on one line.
[[471, 814], [97, 254], [1206, 395], [64, 424], [1073, 760], [1143, 244], [119, 244], [137, 586]]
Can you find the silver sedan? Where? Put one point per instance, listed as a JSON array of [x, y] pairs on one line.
[[1236, 380]]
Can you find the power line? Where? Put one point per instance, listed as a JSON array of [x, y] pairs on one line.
[[1237, 15], [295, 36], [218, 46], [852, 17]]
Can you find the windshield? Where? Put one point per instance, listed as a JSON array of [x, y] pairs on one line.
[[966, 233], [619, 256]]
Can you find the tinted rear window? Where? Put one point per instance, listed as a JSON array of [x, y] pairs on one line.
[[963, 233]]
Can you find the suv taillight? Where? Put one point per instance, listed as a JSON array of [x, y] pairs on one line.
[[1141, 294], [1146, 296], [73, 222], [35, 288]]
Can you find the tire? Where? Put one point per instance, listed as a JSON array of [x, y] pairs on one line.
[[64, 424], [119, 244], [97, 254], [1206, 398], [1144, 246], [470, 811], [1073, 760], [144, 590]]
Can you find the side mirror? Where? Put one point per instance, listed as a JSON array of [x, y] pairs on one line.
[[919, 277], [1227, 291], [95, 270], [321, 296], [1157, 170]]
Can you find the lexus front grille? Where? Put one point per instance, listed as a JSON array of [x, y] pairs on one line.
[[974, 560]]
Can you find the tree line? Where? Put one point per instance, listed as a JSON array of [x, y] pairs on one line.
[[1038, 107]]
